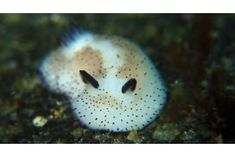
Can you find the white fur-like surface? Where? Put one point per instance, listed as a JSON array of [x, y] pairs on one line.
[[112, 61]]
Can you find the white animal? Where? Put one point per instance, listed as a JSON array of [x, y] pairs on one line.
[[110, 81]]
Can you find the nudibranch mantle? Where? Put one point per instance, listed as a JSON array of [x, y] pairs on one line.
[[111, 83]]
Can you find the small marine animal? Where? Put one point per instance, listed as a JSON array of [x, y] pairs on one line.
[[111, 83]]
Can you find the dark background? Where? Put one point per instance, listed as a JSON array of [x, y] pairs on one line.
[[195, 53]]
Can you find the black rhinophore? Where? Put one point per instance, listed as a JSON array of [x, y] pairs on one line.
[[130, 84], [87, 78]]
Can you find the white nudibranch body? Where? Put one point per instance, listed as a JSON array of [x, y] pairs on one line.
[[111, 83]]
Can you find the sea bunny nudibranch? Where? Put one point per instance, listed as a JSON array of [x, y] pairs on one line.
[[111, 83]]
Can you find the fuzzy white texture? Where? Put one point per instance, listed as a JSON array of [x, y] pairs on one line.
[[106, 107]]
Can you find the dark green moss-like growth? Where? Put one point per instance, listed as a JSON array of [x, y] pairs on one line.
[[195, 53]]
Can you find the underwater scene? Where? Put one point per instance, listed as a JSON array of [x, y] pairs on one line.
[[117, 78]]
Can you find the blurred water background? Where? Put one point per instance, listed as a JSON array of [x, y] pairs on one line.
[[195, 53]]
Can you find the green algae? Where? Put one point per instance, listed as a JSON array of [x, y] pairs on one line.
[[196, 55]]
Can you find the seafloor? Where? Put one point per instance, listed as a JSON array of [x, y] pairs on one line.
[[196, 55]]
